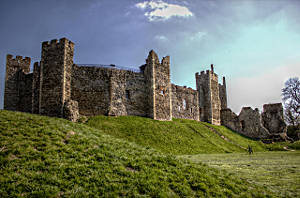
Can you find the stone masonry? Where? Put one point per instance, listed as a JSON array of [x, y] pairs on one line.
[[268, 125], [58, 87]]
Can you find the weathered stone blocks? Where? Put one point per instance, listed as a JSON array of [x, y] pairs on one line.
[[71, 110]]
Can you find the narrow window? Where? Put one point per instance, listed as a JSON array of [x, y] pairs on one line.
[[191, 110], [184, 104], [243, 124], [127, 93], [178, 108]]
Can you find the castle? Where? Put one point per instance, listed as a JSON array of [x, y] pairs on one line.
[[57, 87]]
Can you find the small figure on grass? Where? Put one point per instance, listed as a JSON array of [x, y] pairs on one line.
[[250, 151]]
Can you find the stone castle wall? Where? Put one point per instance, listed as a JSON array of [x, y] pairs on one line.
[[108, 91], [58, 87], [185, 103]]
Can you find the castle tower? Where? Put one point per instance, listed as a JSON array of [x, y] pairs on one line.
[[55, 77], [16, 69], [158, 84], [209, 100], [223, 94]]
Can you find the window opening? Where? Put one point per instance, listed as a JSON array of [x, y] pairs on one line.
[[127, 93], [184, 104]]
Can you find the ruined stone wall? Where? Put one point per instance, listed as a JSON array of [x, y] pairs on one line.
[[108, 91], [55, 84], [185, 103], [248, 123], [16, 69], [209, 99], [251, 122], [223, 94], [230, 120], [270, 124], [272, 118]]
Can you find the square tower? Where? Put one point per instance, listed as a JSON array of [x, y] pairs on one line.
[[55, 78], [16, 69], [209, 99]]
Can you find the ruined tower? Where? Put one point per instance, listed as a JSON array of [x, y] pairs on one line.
[[55, 78], [16, 90], [209, 98], [158, 85]]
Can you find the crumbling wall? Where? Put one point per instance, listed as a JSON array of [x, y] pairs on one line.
[[230, 120], [184, 103], [71, 110], [252, 123], [272, 118]]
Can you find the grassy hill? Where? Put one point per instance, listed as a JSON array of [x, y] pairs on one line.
[[51, 157], [180, 137]]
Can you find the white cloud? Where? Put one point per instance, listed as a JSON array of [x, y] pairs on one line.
[[260, 89], [159, 10], [198, 36], [161, 38]]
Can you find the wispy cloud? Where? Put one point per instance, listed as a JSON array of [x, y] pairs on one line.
[[197, 36], [158, 10], [161, 38]]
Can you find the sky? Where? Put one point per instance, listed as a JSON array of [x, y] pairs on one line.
[[255, 44]]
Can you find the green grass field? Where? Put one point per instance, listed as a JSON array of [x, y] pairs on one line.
[[279, 171], [119, 157], [179, 137]]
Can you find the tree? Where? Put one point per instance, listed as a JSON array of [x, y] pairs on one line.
[[291, 98]]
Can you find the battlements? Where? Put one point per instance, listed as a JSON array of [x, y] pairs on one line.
[[55, 42], [18, 61], [18, 58], [207, 74]]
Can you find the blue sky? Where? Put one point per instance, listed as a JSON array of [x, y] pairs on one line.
[[255, 44]]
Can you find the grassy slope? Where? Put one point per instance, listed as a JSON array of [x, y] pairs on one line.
[[176, 137], [51, 157]]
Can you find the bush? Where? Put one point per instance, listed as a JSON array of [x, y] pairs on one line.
[[294, 132]]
